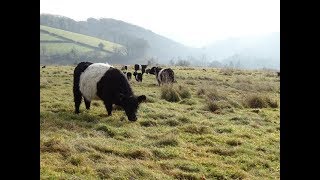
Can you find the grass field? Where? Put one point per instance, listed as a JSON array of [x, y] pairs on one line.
[[224, 125], [62, 48], [92, 41], [48, 37]]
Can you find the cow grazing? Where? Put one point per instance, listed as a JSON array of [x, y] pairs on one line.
[[140, 67], [163, 75], [100, 81], [138, 76], [129, 75], [124, 68], [43, 66]]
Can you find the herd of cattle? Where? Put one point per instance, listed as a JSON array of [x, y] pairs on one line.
[[162, 75], [101, 81]]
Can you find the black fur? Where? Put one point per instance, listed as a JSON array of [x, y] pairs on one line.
[[113, 88], [153, 70], [147, 71], [138, 76], [43, 66], [129, 75], [77, 96], [166, 76], [143, 68], [278, 73]]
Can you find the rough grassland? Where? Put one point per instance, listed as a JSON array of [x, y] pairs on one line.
[[92, 41], [214, 134]]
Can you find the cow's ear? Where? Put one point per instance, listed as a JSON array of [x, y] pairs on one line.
[[141, 98]]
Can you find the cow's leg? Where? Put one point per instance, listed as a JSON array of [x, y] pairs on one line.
[[77, 102], [87, 102], [109, 108]]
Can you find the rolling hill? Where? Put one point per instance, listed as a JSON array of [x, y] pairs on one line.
[[122, 33], [64, 47], [252, 51]]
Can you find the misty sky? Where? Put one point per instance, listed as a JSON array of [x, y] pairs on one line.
[[190, 22]]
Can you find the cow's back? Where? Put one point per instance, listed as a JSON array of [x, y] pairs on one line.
[[89, 79]]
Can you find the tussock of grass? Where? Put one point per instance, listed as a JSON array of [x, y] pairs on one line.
[[197, 129], [201, 92], [76, 160], [224, 130], [259, 101], [138, 154], [169, 93], [165, 153], [188, 102], [108, 130], [184, 119], [148, 123], [56, 146], [240, 120], [234, 142], [184, 92], [222, 151], [171, 122], [168, 141], [187, 167]]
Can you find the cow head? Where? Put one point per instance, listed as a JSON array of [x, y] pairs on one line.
[[131, 104]]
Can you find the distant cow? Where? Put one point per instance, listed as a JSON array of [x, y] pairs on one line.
[[138, 76], [147, 71], [129, 75], [43, 66], [140, 67], [100, 81], [124, 68], [278, 73], [163, 75]]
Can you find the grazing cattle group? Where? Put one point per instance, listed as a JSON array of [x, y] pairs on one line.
[[101, 81]]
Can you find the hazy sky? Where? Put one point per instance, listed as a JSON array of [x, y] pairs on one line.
[[190, 22]]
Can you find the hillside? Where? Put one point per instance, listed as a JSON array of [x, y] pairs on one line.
[[64, 47], [226, 125], [123, 33], [141, 44]]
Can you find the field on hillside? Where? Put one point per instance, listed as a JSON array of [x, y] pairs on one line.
[[225, 124], [92, 41]]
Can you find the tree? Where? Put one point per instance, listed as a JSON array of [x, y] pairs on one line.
[[182, 62], [101, 46], [151, 61], [238, 65], [171, 62], [74, 55], [231, 64]]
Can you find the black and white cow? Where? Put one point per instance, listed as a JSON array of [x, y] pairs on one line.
[[100, 81], [138, 76], [163, 75], [43, 66], [129, 75], [140, 67]]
